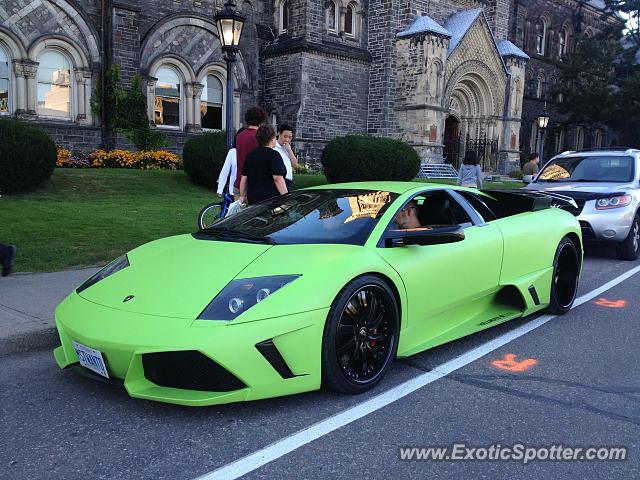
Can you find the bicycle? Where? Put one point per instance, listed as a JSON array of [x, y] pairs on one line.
[[213, 212]]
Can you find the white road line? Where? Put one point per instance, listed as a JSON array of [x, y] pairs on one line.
[[288, 444]]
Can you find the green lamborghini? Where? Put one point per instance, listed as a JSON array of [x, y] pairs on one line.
[[320, 287]]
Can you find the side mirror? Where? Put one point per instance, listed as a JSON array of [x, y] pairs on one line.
[[424, 236], [528, 178]]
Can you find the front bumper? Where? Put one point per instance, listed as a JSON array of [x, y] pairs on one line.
[[124, 338], [607, 225]]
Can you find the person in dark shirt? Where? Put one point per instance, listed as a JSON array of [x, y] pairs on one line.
[[263, 172], [246, 140]]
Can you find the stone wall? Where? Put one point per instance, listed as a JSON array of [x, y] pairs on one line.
[[125, 40], [73, 137], [334, 102], [383, 26]]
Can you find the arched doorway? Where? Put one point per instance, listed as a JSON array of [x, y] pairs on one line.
[[452, 141], [475, 107]]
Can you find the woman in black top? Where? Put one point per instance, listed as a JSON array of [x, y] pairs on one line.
[[263, 171]]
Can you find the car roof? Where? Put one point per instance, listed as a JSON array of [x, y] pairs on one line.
[[597, 153], [386, 186]]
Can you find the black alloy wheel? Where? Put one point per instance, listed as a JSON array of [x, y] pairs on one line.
[[564, 283], [361, 336]]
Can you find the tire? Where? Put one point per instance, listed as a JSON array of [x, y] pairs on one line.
[[209, 215], [564, 282], [360, 336], [629, 248]]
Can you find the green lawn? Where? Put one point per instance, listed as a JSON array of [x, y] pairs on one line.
[[90, 216]]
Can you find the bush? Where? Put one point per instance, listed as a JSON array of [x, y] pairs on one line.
[[66, 159], [360, 158], [301, 168], [27, 156], [203, 157], [145, 160], [515, 173]]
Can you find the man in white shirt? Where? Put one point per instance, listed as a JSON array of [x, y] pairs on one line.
[[283, 147], [229, 169]]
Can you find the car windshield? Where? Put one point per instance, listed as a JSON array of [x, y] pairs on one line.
[[595, 168], [307, 216]]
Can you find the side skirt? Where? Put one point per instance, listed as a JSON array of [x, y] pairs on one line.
[[499, 307]]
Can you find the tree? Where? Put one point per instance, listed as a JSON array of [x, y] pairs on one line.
[[109, 98], [630, 11], [126, 109], [589, 79], [627, 120], [133, 120], [600, 80]]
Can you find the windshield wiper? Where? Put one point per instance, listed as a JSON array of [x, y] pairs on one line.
[[225, 234]]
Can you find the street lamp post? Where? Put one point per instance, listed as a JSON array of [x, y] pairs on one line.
[[543, 123], [229, 23]]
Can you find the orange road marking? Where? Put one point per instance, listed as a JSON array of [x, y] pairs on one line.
[[510, 364], [603, 302]]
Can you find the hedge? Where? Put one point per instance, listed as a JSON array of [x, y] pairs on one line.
[[27, 156], [354, 158], [203, 157]]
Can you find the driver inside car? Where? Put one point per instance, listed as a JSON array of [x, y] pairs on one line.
[[407, 217]]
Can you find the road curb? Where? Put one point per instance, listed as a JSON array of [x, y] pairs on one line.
[[34, 341]]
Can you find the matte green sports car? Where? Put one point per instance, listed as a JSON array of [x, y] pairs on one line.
[[318, 287]]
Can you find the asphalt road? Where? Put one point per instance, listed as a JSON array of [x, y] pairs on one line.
[[583, 390]]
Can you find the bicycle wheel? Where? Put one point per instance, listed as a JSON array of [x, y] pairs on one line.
[[209, 215]]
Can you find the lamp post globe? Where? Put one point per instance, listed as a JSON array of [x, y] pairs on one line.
[[543, 122], [229, 23]]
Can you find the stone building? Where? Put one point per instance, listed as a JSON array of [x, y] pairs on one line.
[[443, 75]]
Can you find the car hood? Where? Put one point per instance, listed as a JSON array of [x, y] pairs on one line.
[[174, 277], [580, 187]]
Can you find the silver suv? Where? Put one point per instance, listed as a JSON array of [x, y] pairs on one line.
[[606, 190]]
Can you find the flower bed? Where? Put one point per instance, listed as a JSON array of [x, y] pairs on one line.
[[145, 160]]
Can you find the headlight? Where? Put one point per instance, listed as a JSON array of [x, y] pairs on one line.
[[240, 295], [613, 202], [113, 267]]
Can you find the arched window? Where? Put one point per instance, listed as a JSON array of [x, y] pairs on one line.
[[541, 34], [540, 84], [559, 140], [332, 17], [579, 138], [212, 103], [4, 83], [533, 141], [597, 138], [166, 109], [350, 20], [54, 85], [562, 43], [284, 16]]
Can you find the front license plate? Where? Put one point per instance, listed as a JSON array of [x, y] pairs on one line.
[[91, 359]]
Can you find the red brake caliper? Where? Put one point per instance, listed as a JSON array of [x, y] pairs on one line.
[[373, 342]]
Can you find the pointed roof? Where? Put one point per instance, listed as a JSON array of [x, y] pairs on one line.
[[508, 49], [459, 24], [424, 24]]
